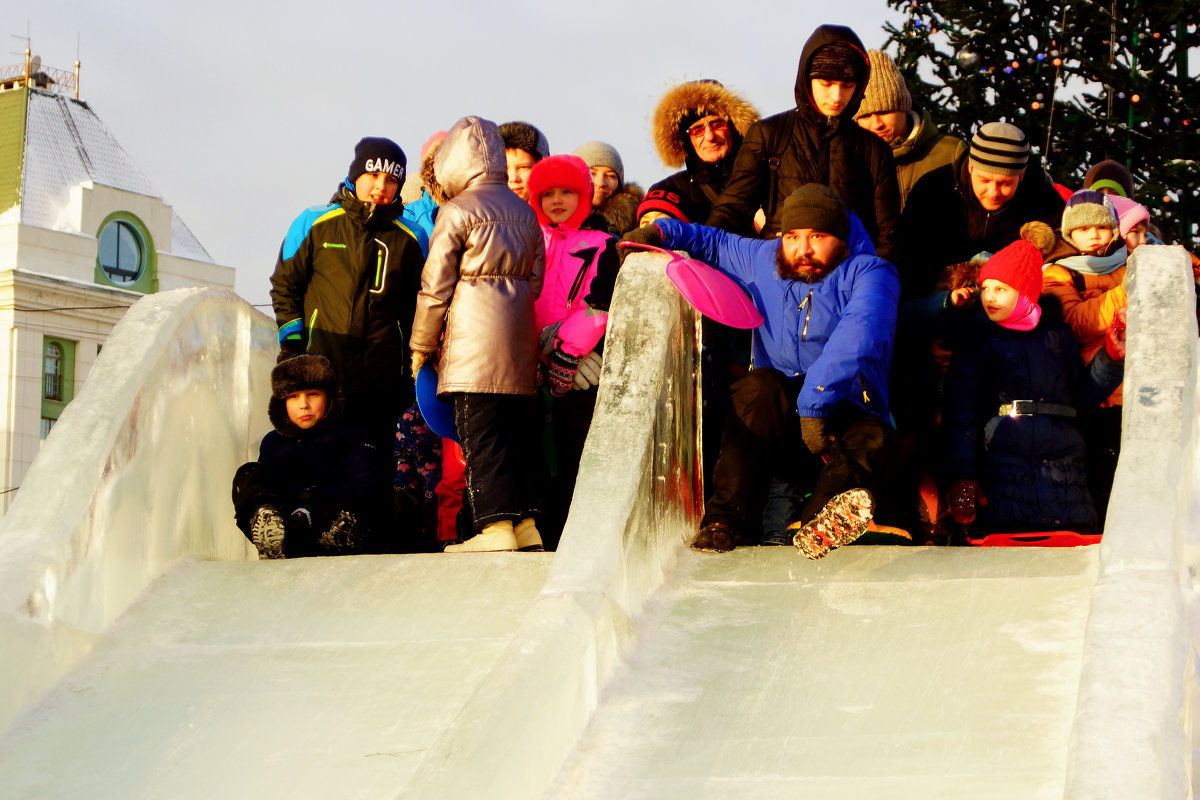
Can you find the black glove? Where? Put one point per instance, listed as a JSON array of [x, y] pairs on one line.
[[647, 234], [812, 430], [561, 368]]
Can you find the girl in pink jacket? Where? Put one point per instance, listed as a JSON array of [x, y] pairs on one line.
[[569, 329]]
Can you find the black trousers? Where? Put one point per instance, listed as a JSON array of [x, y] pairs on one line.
[[762, 441], [500, 439]]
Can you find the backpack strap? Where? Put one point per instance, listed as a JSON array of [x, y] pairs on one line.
[[779, 139]]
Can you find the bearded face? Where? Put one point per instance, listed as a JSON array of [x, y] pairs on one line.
[[808, 255]]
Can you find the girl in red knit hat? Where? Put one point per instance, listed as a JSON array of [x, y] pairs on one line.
[[571, 315], [1013, 390]]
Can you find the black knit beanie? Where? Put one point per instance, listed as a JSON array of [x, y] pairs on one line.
[[1112, 175], [376, 154], [838, 61], [817, 207]]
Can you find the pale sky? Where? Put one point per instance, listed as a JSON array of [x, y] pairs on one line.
[[244, 114]]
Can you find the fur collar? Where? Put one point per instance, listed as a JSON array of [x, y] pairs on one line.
[[687, 98]]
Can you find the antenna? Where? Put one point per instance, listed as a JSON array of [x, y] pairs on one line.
[[35, 64]]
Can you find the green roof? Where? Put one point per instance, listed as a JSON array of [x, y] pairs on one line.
[[12, 145]]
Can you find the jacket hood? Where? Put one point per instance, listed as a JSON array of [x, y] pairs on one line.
[[472, 149], [829, 34], [569, 172], [697, 98]]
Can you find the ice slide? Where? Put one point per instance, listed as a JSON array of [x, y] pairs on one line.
[[145, 653]]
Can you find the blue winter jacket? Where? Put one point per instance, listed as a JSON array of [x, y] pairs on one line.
[[837, 332]]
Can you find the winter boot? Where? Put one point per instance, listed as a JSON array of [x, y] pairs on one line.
[[266, 532], [528, 538], [494, 537], [341, 534], [843, 519]]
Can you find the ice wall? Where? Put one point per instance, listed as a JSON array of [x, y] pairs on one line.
[[1131, 736], [636, 503], [134, 476]]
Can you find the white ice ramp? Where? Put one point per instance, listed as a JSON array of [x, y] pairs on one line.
[[880, 672], [313, 678]]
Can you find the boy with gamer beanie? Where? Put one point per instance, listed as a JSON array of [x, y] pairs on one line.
[[345, 286]]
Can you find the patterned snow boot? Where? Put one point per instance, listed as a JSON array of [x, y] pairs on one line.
[[266, 532], [341, 534], [843, 519]]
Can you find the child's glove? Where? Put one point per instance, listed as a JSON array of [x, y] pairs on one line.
[[812, 430], [1114, 337], [588, 373], [964, 498], [561, 369], [548, 338], [647, 234]]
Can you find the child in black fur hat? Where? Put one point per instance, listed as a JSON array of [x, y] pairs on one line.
[[316, 487]]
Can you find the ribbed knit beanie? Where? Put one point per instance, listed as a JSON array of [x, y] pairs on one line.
[[1020, 266], [665, 202], [837, 61], [377, 154], [817, 207], [1130, 213], [599, 154], [1000, 148], [886, 90], [1110, 175]]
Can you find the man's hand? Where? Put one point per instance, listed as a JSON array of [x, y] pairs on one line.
[[812, 430]]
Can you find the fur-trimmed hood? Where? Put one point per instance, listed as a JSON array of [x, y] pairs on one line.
[[696, 99], [620, 210], [304, 371]]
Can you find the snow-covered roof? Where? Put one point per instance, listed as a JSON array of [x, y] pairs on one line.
[[66, 144]]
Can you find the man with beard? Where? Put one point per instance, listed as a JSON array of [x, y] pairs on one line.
[[813, 409]]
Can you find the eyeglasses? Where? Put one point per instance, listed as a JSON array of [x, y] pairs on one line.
[[717, 126]]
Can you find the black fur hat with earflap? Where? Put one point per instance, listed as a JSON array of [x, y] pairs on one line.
[[305, 371]]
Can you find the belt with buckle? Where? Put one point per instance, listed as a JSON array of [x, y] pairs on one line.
[[1026, 408]]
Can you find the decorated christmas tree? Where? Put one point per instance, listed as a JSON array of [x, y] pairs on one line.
[[1085, 80]]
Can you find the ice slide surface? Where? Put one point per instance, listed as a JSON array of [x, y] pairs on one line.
[[146, 654]]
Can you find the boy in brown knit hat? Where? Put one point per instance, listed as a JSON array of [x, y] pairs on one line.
[[918, 147]]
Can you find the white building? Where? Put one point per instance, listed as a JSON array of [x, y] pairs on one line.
[[83, 234]]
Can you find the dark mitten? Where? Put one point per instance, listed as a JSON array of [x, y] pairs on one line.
[[812, 429], [1114, 337], [647, 234], [964, 498], [561, 371]]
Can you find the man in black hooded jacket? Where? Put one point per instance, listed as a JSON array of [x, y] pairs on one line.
[[816, 142]]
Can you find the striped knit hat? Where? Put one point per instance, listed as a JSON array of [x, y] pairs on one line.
[[1000, 148]]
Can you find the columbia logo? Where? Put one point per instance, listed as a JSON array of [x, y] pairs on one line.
[[334, 244]]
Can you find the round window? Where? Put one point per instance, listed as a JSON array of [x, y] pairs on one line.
[[122, 255]]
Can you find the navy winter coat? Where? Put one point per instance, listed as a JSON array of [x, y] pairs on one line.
[[1030, 468], [837, 332]]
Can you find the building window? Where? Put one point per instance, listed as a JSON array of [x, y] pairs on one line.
[[125, 254], [122, 253], [52, 372], [47, 426]]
